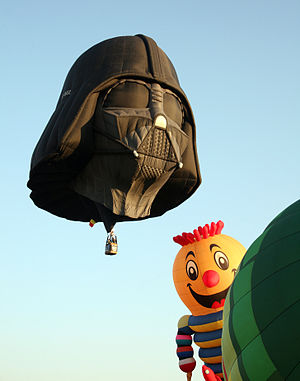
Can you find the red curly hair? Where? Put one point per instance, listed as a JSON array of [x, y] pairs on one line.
[[200, 233]]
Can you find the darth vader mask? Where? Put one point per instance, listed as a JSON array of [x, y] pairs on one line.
[[139, 125], [121, 142]]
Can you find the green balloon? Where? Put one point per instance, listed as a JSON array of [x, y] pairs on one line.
[[261, 331]]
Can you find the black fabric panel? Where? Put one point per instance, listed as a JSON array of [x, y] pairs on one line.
[[67, 144]]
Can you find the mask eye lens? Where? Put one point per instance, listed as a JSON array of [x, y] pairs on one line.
[[192, 270], [221, 260], [127, 94], [173, 108]]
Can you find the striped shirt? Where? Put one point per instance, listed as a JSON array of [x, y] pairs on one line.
[[207, 331]]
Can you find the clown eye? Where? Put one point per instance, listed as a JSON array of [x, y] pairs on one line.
[[221, 260], [192, 270]]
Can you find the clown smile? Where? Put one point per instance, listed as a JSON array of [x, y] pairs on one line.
[[209, 301]]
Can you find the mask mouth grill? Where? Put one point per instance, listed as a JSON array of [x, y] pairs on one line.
[[158, 145], [151, 173]]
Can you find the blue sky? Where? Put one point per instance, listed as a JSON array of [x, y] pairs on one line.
[[68, 312]]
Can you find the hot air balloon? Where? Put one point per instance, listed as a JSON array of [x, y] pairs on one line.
[[120, 145], [203, 271], [261, 333]]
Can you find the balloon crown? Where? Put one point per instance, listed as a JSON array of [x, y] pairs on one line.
[[200, 233]]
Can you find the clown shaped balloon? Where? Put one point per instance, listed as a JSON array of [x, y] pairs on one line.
[[203, 271]]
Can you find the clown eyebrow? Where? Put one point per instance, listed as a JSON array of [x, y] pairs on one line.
[[212, 246], [190, 253]]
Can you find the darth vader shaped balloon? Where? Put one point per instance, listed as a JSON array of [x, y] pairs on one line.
[[121, 143]]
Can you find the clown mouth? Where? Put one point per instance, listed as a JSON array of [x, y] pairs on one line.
[[210, 301]]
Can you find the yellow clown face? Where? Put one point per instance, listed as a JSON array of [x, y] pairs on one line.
[[204, 270]]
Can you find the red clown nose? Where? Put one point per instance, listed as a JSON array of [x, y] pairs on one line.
[[211, 278]]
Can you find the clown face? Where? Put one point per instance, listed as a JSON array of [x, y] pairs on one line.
[[204, 270]]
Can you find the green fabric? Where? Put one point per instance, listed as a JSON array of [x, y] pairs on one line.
[[261, 332]]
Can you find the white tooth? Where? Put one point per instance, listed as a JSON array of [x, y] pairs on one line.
[[161, 122]]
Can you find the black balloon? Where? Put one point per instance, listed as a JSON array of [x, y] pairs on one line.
[[121, 143]]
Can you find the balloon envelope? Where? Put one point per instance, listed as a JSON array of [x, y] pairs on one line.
[[120, 144], [261, 332]]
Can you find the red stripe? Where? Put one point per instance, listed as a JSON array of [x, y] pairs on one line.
[[184, 349], [183, 337], [224, 370]]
